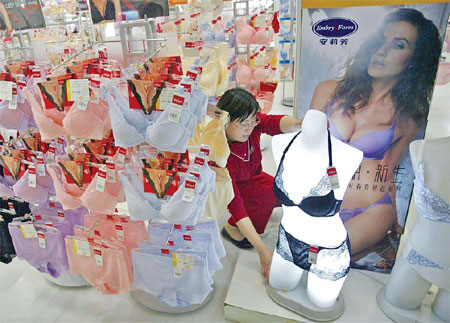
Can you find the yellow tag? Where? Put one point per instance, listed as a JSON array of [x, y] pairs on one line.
[[74, 246], [253, 62], [174, 259]]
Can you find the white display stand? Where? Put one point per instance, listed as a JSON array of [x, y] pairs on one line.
[[67, 280], [150, 301], [248, 300], [422, 314]]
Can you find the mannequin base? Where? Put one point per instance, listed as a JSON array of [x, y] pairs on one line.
[[422, 314], [67, 280], [298, 301], [150, 301]]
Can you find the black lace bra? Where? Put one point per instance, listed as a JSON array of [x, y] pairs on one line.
[[320, 201]]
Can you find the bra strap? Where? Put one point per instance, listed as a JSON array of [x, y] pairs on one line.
[[330, 152], [287, 147]]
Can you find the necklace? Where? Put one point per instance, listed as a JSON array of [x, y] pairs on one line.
[[248, 153]]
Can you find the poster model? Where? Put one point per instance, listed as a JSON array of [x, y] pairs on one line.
[[372, 70], [116, 10], [20, 14]]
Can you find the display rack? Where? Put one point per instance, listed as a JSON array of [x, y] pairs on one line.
[[289, 101], [129, 48], [19, 47]]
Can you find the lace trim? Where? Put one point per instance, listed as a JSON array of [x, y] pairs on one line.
[[415, 258], [430, 205], [332, 263], [322, 188]]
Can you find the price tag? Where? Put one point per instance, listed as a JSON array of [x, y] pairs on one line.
[[119, 231], [60, 142], [259, 21], [189, 191], [177, 259], [259, 60], [181, 100], [13, 103], [6, 90], [227, 36], [261, 103], [41, 240], [98, 257], [101, 180], [110, 172], [267, 32], [266, 70], [28, 230], [94, 87], [81, 247], [31, 176], [51, 153], [40, 166], [78, 90], [333, 177], [188, 262], [174, 114], [61, 214], [121, 157], [165, 97], [38, 217], [82, 105], [312, 256], [187, 241]]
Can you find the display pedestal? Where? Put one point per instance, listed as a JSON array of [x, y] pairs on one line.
[[150, 301], [298, 301], [67, 280], [423, 314], [248, 301]]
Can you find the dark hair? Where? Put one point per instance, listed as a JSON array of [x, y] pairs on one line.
[[412, 93], [150, 10], [239, 103]]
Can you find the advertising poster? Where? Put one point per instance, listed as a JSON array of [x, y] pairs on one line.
[[20, 14], [115, 10], [372, 69]]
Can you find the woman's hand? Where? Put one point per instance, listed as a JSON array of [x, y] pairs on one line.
[[265, 257]]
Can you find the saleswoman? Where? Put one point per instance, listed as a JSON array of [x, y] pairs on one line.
[[253, 201]]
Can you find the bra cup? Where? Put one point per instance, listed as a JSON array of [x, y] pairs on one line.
[[10, 119], [25, 108], [134, 117], [49, 129], [210, 76], [244, 32], [262, 37], [68, 201], [5, 190], [55, 115], [32, 194], [73, 189], [148, 197], [100, 202], [82, 124], [259, 74], [244, 73], [222, 83]]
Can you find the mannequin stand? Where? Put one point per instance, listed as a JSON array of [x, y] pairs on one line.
[[297, 301], [423, 314], [67, 280], [153, 303]]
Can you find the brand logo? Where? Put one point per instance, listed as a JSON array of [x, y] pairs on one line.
[[335, 27]]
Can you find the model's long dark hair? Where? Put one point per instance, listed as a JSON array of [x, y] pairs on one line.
[[412, 93]]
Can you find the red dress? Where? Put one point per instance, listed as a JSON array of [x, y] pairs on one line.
[[253, 195]]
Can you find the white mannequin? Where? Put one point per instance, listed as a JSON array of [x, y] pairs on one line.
[[304, 165], [407, 287]]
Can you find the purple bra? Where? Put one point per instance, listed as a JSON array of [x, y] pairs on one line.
[[374, 145]]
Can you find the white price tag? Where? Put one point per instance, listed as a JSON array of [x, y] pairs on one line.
[[333, 177], [12, 210], [40, 166], [41, 240], [189, 191], [312, 256], [227, 36], [188, 262], [110, 172], [121, 157], [101, 180], [98, 257], [81, 247], [78, 90], [165, 97], [174, 114], [187, 241], [267, 32], [119, 231], [6, 90], [261, 103], [266, 70], [13, 103], [259, 60], [82, 105], [28, 231], [51, 153], [31, 176]]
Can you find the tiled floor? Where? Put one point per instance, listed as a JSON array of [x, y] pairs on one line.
[[26, 296]]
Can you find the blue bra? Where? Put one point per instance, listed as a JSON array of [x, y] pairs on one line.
[[320, 202]]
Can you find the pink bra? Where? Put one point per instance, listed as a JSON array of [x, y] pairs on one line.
[[247, 34], [247, 75], [91, 123]]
